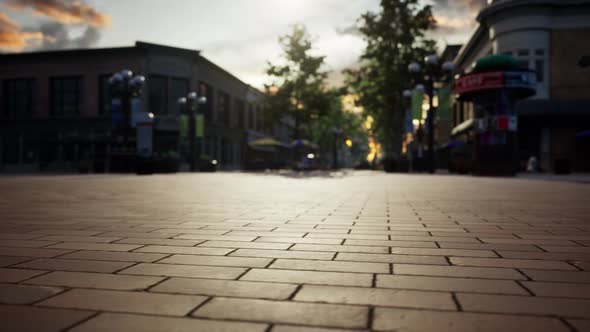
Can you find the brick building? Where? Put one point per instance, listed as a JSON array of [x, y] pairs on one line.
[[550, 37], [55, 107]]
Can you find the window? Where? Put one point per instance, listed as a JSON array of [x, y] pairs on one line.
[[523, 52], [540, 52], [18, 98], [251, 123], [540, 69], [158, 94], [104, 95], [524, 64], [10, 148], [507, 53], [66, 96], [240, 112], [259, 120], [178, 89], [223, 110], [206, 90]]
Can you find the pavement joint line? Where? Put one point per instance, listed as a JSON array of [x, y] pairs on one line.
[[78, 323], [370, 318], [125, 268], [568, 324], [192, 312], [297, 289], [270, 263], [149, 288], [242, 274]]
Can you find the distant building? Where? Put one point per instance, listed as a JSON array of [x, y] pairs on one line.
[[56, 105], [444, 126], [549, 37]]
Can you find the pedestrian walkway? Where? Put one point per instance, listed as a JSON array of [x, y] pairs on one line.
[[362, 251]]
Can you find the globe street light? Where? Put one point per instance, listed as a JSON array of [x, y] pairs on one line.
[[190, 105], [433, 72]]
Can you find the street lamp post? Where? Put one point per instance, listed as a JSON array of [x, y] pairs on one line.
[[433, 72], [124, 87], [337, 132], [191, 103], [408, 98]]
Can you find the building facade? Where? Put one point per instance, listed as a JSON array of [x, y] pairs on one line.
[[55, 109], [549, 37]]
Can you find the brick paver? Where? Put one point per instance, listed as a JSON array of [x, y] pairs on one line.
[[246, 252]]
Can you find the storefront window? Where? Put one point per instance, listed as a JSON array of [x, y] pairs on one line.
[[18, 98], [66, 96]]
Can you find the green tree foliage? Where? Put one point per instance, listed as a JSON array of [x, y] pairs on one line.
[[298, 83], [395, 37], [350, 124]]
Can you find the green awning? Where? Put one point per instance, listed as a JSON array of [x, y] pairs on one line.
[[265, 142]]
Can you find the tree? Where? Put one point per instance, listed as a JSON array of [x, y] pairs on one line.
[[395, 37], [336, 117], [297, 89]]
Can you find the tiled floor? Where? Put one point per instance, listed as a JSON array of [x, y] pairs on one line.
[[245, 252]]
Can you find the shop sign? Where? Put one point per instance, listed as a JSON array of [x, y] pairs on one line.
[[520, 79], [499, 123], [476, 82]]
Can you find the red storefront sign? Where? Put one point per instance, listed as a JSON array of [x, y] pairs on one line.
[[477, 82]]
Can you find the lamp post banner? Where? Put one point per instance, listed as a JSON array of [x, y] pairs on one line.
[[409, 122], [444, 104], [200, 125], [135, 109], [184, 123], [417, 101], [116, 114]]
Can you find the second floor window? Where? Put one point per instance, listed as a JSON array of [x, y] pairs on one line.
[[178, 89], [251, 117], [223, 109], [206, 90], [66, 96], [104, 95], [18, 98], [157, 87], [240, 114]]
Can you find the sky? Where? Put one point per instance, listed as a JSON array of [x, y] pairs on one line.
[[239, 35]]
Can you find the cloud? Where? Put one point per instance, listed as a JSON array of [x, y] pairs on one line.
[[351, 30], [12, 38], [472, 5], [63, 11], [448, 24], [454, 16], [56, 37], [56, 33]]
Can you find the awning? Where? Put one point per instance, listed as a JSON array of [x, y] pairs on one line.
[[451, 144], [549, 107], [264, 148], [463, 127], [265, 142], [304, 142]]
